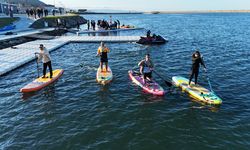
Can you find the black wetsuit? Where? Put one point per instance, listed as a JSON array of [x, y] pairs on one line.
[[196, 61]]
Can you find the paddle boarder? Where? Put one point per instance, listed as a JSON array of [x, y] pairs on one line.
[[196, 61], [103, 53], [44, 55], [146, 67], [148, 34]]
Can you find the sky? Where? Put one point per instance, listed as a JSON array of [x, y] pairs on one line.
[[154, 5]]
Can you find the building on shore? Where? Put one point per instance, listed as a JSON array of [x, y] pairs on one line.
[[6, 8]]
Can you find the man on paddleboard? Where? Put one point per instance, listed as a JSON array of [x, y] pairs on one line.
[[103, 53], [44, 55], [146, 68], [196, 61]]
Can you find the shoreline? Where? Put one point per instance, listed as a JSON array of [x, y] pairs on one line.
[[198, 11], [101, 13]]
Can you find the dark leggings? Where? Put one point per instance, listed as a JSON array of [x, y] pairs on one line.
[[149, 75], [194, 73], [45, 68]]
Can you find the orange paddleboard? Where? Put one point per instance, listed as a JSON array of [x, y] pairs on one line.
[[40, 82]]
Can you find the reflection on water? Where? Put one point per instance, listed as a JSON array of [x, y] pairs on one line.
[[48, 92]]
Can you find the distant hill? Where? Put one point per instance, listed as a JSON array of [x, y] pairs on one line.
[[34, 3]]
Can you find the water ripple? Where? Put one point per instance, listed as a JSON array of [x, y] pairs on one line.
[[78, 113]]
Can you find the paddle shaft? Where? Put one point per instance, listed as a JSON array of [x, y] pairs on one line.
[[167, 82], [37, 67], [209, 83], [208, 80]]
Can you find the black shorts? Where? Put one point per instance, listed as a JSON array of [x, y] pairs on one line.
[[104, 60], [149, 75]]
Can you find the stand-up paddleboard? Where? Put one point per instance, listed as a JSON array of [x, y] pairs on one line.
[[152, 87], [104, 77], [40, 82], [196, 91]]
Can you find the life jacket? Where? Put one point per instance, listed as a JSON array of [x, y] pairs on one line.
[[103, 52]]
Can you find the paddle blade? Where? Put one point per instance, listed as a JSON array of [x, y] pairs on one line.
[[168, 83]]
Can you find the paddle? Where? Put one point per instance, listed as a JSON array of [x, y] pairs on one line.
[[209, 83], [37, 67], [208, 80], [167, 82]]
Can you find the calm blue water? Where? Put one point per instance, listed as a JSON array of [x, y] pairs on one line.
[[77, 113]]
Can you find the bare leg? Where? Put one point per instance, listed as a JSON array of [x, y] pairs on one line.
[[101, 67], [143, 77], [106, 63]]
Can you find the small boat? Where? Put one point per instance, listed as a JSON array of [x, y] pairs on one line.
[[152, 41]]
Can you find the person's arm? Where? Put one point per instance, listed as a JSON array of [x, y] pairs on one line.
[[141, 69], [98, 52], [202, 63], [194, 59], [39, 56], [151, 64], [140, 64]]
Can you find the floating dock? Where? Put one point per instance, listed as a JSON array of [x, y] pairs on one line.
[[12, 58], [23, 33]]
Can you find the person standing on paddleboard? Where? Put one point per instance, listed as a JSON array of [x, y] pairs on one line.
[[103, 53], [196, 61], [146, 68], [44, 55]]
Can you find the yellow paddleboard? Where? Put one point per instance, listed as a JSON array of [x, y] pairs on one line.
[[196, 91]]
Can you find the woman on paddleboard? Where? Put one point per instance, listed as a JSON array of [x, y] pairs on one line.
[[146, 68], [103, 53], [44, 55], [196, 61]]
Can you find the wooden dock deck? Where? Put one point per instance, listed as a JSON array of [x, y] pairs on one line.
[[11, 59]]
